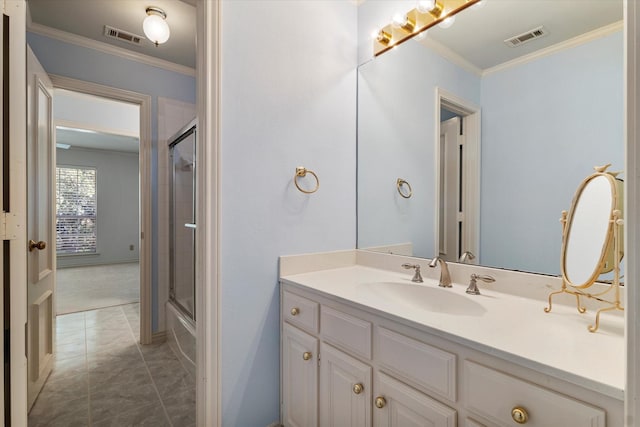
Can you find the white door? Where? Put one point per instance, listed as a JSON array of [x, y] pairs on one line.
[[41, 259], [299, 378], [398, 405], [450, 189], [345, 389]]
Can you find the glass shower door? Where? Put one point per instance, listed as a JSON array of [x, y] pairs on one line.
[[182, 221]]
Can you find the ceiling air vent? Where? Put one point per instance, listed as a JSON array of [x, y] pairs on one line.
[[124, 36], [526, 37]]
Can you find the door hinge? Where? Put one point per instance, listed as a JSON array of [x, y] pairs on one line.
[[9, 226]]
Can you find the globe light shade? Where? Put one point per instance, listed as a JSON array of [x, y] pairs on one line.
[[156, 28], [448, 22], [425, 6]]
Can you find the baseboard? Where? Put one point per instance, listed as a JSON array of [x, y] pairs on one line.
[[93, 263], [276, 424], [158, 337]]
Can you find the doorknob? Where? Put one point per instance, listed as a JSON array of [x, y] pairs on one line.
[[37, 245]]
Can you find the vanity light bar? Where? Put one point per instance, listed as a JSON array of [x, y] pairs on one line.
[[415, 22]]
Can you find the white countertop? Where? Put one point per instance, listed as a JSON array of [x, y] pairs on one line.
[[502, 324]]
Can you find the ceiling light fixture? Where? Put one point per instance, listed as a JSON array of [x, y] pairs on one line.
[[155, 25], [425, 15]]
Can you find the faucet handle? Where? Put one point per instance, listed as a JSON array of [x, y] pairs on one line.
[[417, 277], [473, 285], [486, 279]]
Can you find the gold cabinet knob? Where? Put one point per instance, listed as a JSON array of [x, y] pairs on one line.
[[295, 311], [33, 245], [519, 415], [357, 389], [380, 402], [306, 355]]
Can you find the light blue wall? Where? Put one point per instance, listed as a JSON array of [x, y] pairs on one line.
[[90, 65], [288, 99], [396, 131], [545, 124]]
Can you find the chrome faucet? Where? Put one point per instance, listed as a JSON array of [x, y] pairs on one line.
[[473, 286], [417, 277], [467, 256], [445, 277]]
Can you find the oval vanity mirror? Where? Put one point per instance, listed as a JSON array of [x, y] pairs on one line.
[[592, 243], [587, 249]]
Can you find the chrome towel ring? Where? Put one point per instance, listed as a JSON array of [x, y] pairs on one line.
[[400, 183], [302, 172]]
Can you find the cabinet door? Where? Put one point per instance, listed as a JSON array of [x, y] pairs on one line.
[[299, 378], [345, 389], [398, 405]]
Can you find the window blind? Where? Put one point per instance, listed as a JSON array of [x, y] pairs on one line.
[[76, 210]]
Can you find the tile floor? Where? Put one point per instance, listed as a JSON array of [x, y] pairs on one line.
[[92, 287], [103, 377]]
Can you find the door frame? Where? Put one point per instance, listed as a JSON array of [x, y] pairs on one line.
[[15, 229], [632, 210], [144, 156], [208, 105], [449, 247], [471, 163]]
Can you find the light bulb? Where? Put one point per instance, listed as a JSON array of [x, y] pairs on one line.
[[447, 22], [425, 6], [404, 22], [155, 27], [398, 20], [421, 35]]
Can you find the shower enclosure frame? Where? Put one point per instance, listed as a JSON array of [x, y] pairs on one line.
[[186, 132]]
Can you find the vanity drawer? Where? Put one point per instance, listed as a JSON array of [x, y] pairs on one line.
[[416, 362], [494, 396], [348, 332], [300, 311]]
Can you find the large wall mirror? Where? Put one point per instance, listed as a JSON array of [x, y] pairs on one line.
[[492, 138]]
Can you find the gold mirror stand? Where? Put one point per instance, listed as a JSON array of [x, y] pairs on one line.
[[616, 222]]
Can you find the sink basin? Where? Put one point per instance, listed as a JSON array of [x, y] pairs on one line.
[[422, 297]]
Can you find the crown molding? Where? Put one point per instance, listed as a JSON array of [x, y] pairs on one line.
[[108, 49], [567, 44]]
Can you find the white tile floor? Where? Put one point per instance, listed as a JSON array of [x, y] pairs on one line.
[[103, 377], [88, 288]]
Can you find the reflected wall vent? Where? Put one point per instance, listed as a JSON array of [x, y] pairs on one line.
[[124, 36], [526, 37]]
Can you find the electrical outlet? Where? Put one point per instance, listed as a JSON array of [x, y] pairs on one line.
[[131, 247]]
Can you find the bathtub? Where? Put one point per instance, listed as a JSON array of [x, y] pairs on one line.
[[181, 336]]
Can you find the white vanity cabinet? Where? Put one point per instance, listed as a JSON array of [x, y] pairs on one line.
[[398, 405], [299, 378], [369, 369], [345, 389], [347, 393]]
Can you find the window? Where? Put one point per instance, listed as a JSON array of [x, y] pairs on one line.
[[75, 210]]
